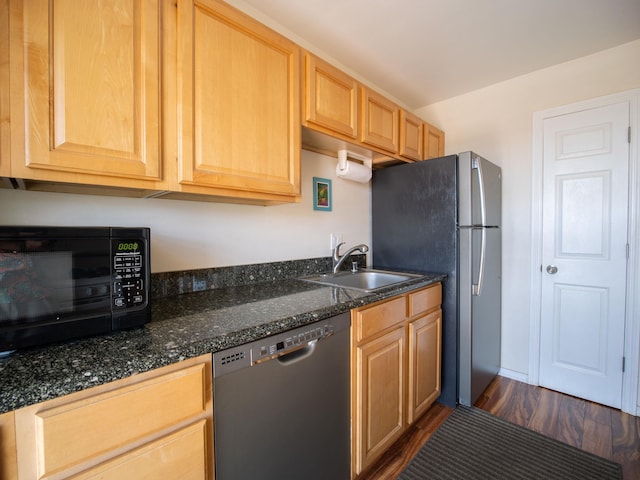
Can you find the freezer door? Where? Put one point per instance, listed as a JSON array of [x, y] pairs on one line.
[[480, 313], [480, 191]]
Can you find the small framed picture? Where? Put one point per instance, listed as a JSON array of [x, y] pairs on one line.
[[321, 194]]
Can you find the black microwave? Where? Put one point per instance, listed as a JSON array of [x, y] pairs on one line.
[[63, 283]]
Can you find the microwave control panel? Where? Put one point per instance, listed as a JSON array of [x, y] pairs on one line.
[[129, 289]]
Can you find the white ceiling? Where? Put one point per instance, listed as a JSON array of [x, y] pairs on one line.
[[424, 51]]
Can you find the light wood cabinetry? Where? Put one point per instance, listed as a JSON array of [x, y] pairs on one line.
[[5, 137], [339, 112], [184, 99], [378, 378], [330, 98], [433, 142], [380, 391], [85, 92], [157, 424], [380, 121], [238, 118], [425, 334], [395, 369], [411, 136], [8, 465]]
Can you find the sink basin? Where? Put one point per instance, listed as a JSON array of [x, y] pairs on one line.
[[364, 280]]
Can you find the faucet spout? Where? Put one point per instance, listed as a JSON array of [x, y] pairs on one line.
[[338, 259]]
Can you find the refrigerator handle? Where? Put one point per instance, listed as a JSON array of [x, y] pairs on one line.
[[476, 288], [483, 211]]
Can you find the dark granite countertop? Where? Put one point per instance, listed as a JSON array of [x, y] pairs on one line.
[[182, 326]]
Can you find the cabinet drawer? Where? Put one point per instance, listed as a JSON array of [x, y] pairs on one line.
[[66, 434], [424, 300], [374, 319], [178, 455]]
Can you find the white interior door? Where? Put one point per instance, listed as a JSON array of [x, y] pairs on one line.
[[584, 252]]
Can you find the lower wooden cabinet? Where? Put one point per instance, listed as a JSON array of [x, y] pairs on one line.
[[424, 363], [158, 424], [8, 462], [395, 369], [380, 385], [178, 455]]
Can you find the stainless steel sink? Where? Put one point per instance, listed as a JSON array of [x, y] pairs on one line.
[[365, 280]]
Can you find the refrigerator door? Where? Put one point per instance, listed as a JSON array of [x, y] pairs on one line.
[[479, 191], [480, 315]]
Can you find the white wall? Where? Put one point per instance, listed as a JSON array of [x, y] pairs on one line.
[[496, 122], [189, 235]]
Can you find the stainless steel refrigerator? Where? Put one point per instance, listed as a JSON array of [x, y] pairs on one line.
[[444, 215]]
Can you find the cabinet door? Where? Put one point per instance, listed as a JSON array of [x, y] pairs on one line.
[[238, 102], [380, 121], [379, 389], [433, 142], [424, 363], [331, 97], [85, 99], [8, 466], [411, 132]]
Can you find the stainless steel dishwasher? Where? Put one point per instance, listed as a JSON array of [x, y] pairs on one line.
[[281, 405]]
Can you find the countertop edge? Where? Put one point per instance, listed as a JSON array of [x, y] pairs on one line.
[[51, 372]]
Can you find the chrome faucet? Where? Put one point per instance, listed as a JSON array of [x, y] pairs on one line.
[[339, 259]]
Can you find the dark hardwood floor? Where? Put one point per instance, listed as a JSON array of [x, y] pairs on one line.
[[601, 430]]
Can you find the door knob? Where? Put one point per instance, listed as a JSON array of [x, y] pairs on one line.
[[552, 269]]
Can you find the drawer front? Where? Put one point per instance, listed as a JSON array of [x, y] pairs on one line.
[[424, 300], [181, 454], [375, 319], [74, 432]]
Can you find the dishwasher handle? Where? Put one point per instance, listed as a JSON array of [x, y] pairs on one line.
[[291, 356], [297, 355]]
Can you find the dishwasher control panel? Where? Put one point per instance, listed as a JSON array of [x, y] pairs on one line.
[[275, 346], [291, 342]]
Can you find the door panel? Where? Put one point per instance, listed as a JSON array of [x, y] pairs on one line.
[[585, 205]]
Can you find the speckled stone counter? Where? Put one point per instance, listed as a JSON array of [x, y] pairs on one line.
[[182, 326]]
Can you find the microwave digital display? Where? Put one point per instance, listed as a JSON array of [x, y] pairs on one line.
[[128, 247]]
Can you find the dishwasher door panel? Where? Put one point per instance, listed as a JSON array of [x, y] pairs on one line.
[[275, 420]]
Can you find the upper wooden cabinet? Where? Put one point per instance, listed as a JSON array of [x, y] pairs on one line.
[[433, 142], [380, 121], [238, 105], [330, 98], [411, 136], [346, 112], [85, 91], [185, 100]]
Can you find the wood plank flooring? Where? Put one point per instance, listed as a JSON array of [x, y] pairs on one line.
[[594, 428]]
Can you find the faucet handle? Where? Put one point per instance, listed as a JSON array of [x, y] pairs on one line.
[[336, 250]]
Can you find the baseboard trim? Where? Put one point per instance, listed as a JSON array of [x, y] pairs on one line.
[[513, 375]]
